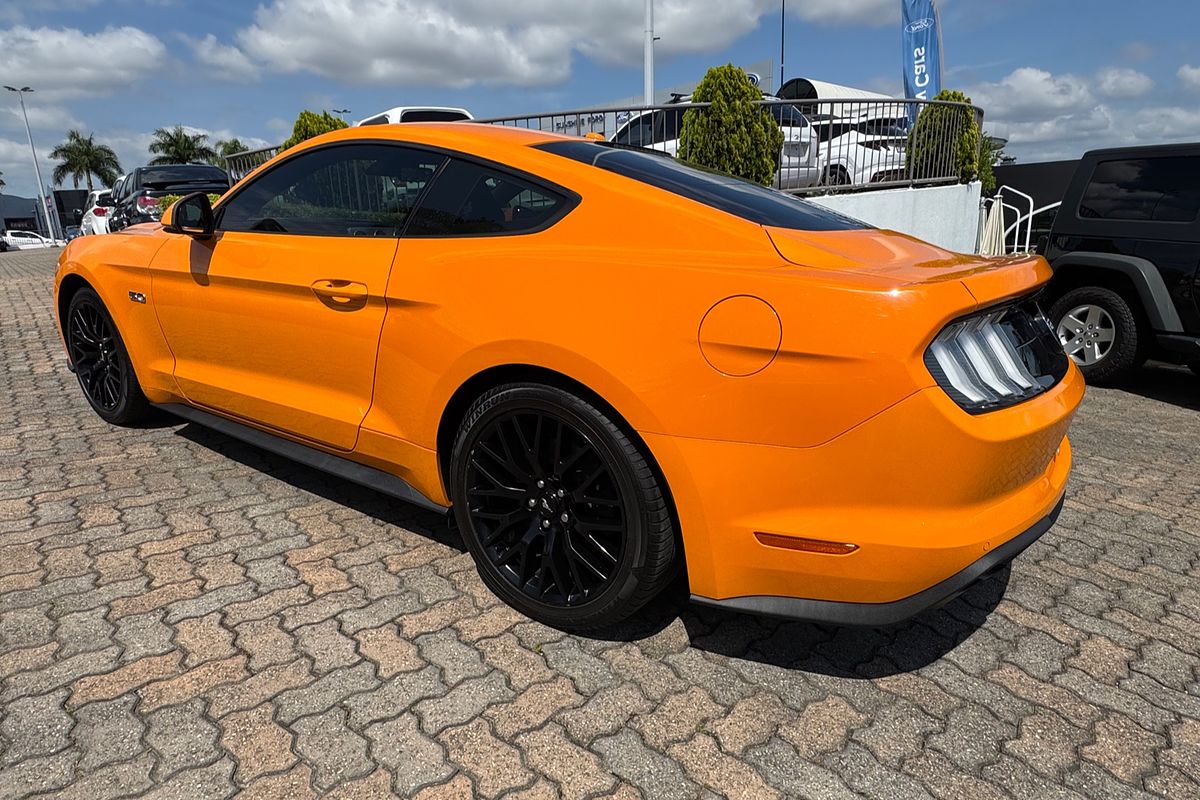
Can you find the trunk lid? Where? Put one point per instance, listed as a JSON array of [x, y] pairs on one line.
[[904, 261]]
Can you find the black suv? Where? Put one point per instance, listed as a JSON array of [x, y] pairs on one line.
[[135, 197], [1125, 248]]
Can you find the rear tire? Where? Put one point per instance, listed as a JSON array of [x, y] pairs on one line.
[[101, 361], [563, 515], [1100, 332], [835, 175]]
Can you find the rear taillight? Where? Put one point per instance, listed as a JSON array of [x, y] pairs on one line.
[[148, 205], [99, 211], [997, 358]]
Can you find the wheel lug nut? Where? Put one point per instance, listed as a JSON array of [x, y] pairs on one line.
[[532, 502], [541, 484], [561, 493], [545, 524], [565, 517]]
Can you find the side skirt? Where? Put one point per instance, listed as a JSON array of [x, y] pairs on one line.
[[370, 477]]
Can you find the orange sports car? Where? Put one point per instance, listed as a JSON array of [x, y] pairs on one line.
[[610, 365]]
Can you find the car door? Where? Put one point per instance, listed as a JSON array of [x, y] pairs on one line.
[[276, 318]]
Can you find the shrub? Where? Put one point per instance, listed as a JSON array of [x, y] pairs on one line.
[[310, 124], [734, 134], [945, 141], [168, 200]]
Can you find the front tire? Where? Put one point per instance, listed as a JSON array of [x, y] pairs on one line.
[[1100, 332], [101, 361], [563, 515]]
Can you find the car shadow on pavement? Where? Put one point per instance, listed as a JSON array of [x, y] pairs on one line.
[[375, 504], [855, 653], [1167, 383], [845, 652]]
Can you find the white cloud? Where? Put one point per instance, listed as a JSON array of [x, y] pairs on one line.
[[222, 61], [875, 13], [1189, 76], [1123, 82], [458, 43], [41, 117], [66, 62], [1029, 94]]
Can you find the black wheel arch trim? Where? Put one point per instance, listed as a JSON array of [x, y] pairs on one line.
[[886, 614], [1152, 290], [372, 478]]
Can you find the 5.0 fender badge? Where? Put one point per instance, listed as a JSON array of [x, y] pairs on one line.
[[137, 297]]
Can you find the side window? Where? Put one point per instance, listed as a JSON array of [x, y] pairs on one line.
[[1163, 189], [789, 117], [471, 200], [638, 133], [348, 190], [668, 124]]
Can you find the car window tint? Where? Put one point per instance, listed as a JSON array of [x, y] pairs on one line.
[[743, 199], [1164, 189], [788, 116], [468, 199], [433, 115], [382, 119], [638, 133], [348, 190], [668, 124]]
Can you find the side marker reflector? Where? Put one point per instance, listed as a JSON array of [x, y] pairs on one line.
[[806, 545]]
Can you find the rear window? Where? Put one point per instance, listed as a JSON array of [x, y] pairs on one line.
[[1163, 189], [183, 173], [742, 199], [431, 115]]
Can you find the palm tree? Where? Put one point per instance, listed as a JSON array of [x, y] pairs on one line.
[[80, 158], [227, 147], [177, 146]]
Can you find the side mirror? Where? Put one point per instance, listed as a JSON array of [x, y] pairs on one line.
[[191, 215]]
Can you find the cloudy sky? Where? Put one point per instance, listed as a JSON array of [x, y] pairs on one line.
[[1055, 76]]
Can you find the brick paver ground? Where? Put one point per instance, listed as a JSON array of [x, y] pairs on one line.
[[184, 616]]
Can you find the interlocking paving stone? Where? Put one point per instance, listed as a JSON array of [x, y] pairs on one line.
[[183, 616]]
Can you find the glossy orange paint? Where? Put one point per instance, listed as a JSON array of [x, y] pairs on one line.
[[824, 423]]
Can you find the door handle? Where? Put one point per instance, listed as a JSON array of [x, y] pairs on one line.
[[341, 294]]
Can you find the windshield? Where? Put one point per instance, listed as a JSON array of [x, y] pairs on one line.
[[724, 192]]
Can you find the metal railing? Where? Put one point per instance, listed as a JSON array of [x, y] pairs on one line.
[[831, 145], [239, 165]]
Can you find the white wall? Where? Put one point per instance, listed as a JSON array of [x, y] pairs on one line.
[[947, 216]]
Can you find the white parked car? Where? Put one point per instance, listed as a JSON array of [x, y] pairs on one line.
[[95, 215], [660, 130], [394, 116], [26, 240], [858, 152]]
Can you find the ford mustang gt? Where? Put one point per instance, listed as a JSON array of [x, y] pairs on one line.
[[608, 366]]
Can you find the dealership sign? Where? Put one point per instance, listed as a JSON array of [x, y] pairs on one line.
[[921, 38]]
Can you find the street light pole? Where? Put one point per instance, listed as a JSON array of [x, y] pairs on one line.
[[37, 171], [341, 111], [648, 56], [782, 40]]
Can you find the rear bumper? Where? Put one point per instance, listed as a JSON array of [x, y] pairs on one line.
[[922, 491], [881, 614]]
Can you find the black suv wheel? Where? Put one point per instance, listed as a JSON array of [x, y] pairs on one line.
[[564, 517], [1099, 331]]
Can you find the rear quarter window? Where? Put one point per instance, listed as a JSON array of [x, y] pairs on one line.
[[743, 199], [1156, 189]]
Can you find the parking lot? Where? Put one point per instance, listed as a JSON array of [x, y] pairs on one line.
[[182, 611]]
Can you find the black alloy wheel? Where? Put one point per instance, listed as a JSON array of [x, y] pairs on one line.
[[559, 508], [101, 362]]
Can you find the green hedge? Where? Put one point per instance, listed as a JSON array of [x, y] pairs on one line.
[[168, 200], [734, 135], [929, 155]]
